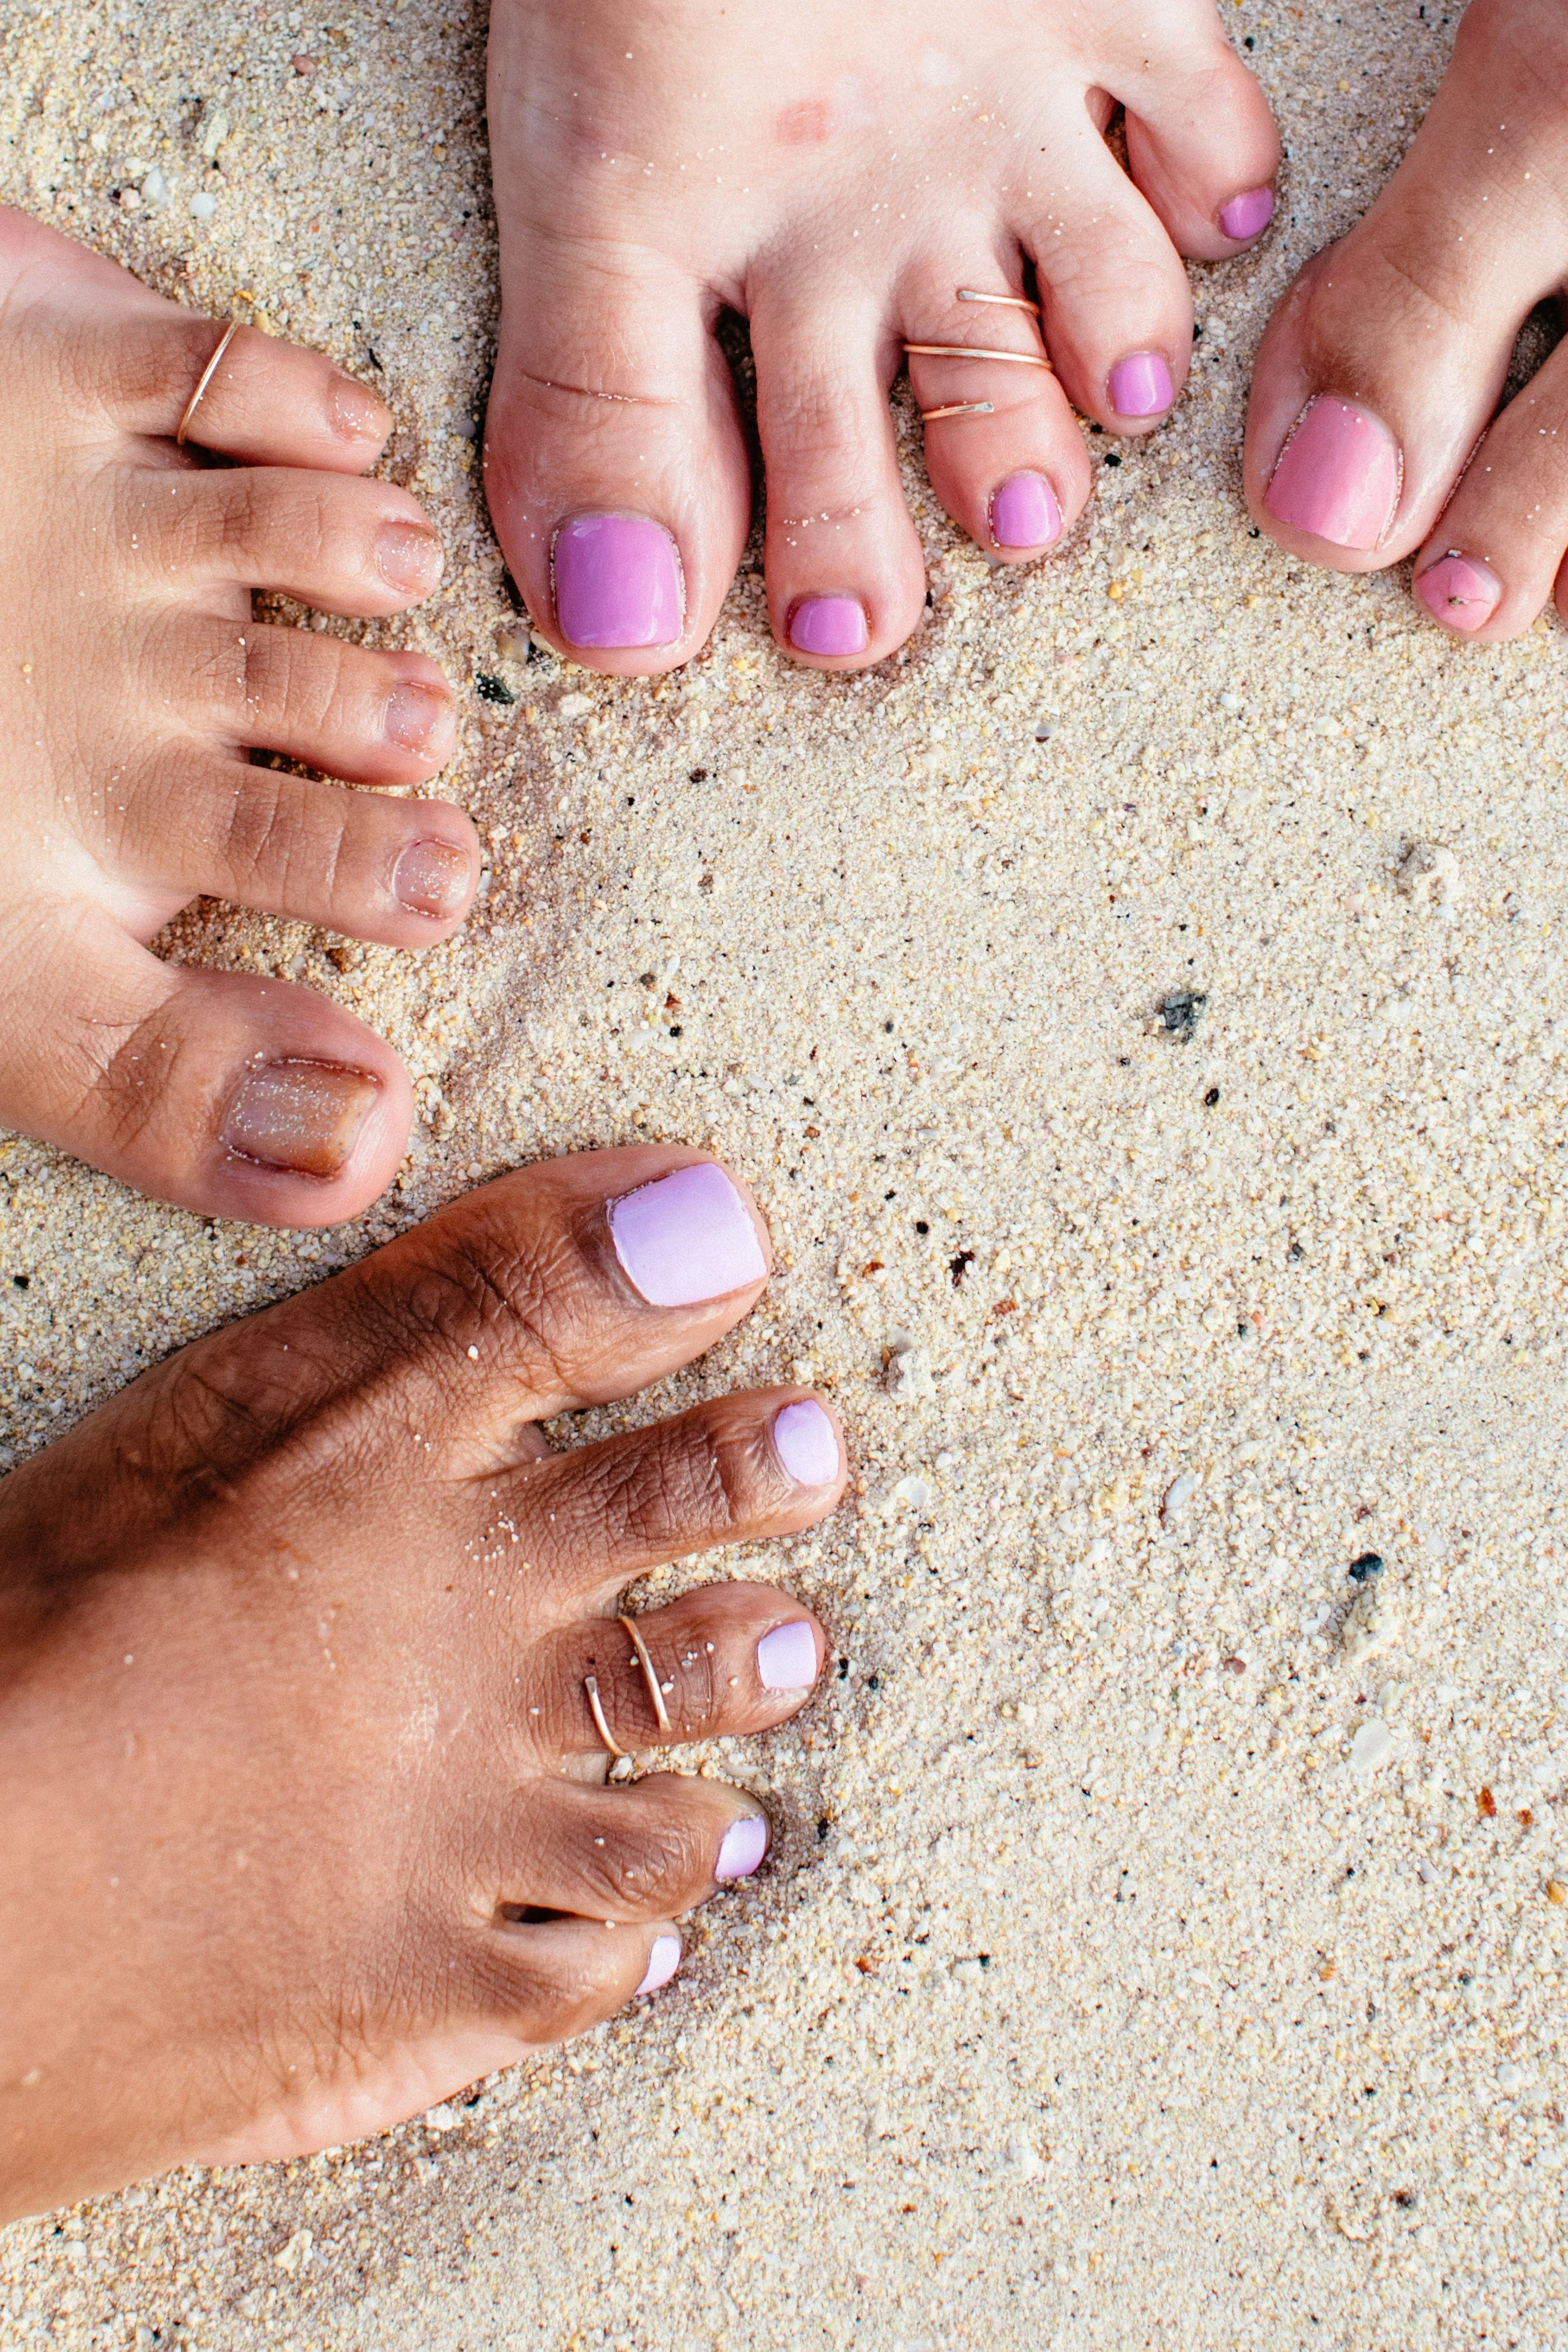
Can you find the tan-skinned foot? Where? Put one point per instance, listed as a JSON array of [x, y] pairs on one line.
[[305, 1821], [1381, 369], [132, 684], [838, 177]]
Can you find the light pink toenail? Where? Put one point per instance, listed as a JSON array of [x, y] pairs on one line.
[[662, 1963], [834, 626], [408, 558], [687, 1237], [421, 718], [617, 582], [1339, 475], [1141, 386], [807, 1444], [786, 1658], [744, 1843], [431, 877], [1459, 591], [1247, 215], [1025, 513]]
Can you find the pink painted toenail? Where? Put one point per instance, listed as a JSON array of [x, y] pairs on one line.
[[834, 626], [744, 1843], [1025, 513], [1459, 591], [302, 1116], [786, 1658], [431, 878], [687, 1237], [1247, 215], [617, 582], [662, 1963], [1339, 475], [807, 1444], [1141, 386]]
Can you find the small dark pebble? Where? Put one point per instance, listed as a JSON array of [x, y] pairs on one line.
[[822, 1826], [959, 1266], [1211, 1099], [1182, 1013], [493, 690], [1295, 1253], [698, 776], [21, 1281], [1112, 458], [922, 1226], [1369, 1564]]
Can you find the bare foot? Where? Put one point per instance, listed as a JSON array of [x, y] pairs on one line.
[[836, 175], [1384, 363], [132, 683], [301, 1641]]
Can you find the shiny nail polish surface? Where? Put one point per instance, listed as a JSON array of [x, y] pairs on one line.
[[617, 582], [1025, 513], [662, 1963], [1246, 216], [300, 1114], [807, 1444], [833, 626], [1141, 386], [420, 718], [741, 1850], [687, 1237], [431, 877], [786, 1658], [1338, 476], [407, 558], [1460, 593]]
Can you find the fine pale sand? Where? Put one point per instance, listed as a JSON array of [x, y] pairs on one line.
[[1140, 1963]]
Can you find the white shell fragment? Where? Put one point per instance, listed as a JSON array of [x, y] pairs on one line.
[[1180, 1491], [1373, 1622], [909, 1374], [1371, 1746], [1428, 876]]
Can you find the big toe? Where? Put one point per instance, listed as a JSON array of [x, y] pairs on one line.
[[1381, 366]]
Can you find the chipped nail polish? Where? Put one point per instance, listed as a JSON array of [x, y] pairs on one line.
[[1459, 591]]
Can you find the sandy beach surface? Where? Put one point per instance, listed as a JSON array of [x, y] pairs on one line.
[[1154, 1952]]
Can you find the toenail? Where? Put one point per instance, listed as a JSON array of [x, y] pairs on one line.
[[1248, 214], [420, 718], [1459, 591], [807, 1444], [408, 557], [1025, 513], [832, 626], [1338, 476], [786, 1658], [1141, 385], [356, 413], [744, 1843], [305, 1116], [617, 582], [662, 1963], [687, 1237], [431, 877]]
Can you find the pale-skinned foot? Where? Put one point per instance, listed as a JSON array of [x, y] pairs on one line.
[[839, 177], [133, 684], [1382, 369], [310, 1649]]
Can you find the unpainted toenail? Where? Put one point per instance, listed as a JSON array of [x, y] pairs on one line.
[[302, 1116], [421, 718], [408, 558], [432, 877], [356, 413]]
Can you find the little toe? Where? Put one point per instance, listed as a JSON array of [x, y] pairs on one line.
[[358, 548], [228, 1095], [614, 464], [375, 718], [1498, 551], [846, 576], [1002, 449], [647, 1852], [1117, 307], [1202, 144]]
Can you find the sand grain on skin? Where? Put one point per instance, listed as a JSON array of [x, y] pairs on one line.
[[1136, 1966]]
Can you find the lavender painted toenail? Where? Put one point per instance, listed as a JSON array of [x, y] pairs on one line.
[[1025, 513], [662, 1963], [834, 626], [1339, 476], [1141, 386], [1247, 215], [431, 877], [617, 582], [807, 1444], [687, 1237], [744, 1843], [1459, 591], [302, 1116], [786, 1658]]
